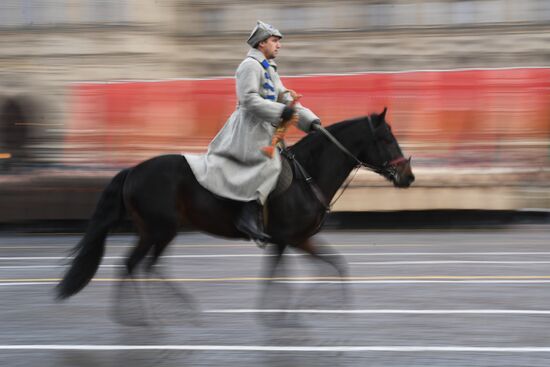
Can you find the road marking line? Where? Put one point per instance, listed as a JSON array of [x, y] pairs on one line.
[[363, 282], [446, 262], [261, 348], [248, 245], [12, 267], [384, 311], [419, 278], [19, 258], [37, 247], [457, 282], [69, 247], [345, 279], [27, 283]]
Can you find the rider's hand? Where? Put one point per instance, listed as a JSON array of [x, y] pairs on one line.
[[314, 125], [287, 114], [295, 96]]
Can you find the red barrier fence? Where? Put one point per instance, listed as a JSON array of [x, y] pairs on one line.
[[437, 114]]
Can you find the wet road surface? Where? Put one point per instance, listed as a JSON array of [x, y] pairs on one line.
[[415, 298]]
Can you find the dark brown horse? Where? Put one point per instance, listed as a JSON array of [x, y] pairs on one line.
[[161, 194]]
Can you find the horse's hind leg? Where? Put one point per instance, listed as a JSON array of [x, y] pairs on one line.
[[129, 306], [170, 300], [138, 253], [161, 236]]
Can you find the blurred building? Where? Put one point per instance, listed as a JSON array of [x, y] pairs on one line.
[[66, 40], [49, 45], [347, 36]]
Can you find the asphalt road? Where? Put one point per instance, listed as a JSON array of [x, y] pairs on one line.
[[415, 298]]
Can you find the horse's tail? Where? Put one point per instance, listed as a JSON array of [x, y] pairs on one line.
[[89, 251]]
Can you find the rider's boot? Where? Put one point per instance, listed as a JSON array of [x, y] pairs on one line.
[[250, 223]]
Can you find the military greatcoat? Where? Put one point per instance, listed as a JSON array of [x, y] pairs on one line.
[[234, 166]]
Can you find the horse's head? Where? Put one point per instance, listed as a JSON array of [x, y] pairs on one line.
[[384, 154]]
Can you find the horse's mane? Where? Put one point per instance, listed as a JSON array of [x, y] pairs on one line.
[[312, 144]]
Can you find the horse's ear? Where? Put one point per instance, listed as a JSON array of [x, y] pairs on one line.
[[383, 114]]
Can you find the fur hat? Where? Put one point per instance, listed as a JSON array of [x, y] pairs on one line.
[[261, 32]]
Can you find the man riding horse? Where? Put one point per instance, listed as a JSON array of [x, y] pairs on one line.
[[234, 166]]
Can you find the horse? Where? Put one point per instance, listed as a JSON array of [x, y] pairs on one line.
[[161, 194]]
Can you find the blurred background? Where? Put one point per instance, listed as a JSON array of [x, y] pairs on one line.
[[90, 86]]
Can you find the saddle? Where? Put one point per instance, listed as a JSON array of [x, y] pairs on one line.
[[285, 178], [292, 169]]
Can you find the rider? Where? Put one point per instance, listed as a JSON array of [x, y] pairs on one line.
[[234, 166]]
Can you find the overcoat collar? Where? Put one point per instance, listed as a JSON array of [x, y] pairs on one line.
[[258, 55]]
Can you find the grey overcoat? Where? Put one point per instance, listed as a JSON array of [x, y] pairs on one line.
[[234, 166]]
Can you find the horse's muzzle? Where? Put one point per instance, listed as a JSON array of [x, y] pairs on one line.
[[402, 175]]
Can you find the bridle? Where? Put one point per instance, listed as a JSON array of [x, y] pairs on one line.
[[387, 169]]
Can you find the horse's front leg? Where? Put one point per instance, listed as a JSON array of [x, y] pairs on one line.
[[275, 295], [332, 258], [327, 255]]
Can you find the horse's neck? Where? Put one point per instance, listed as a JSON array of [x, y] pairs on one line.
[[328, 165]]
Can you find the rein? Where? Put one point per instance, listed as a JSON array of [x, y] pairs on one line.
[[388, 166], [349, 154]]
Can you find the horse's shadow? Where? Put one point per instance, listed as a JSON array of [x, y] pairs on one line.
[[158, 305], [152, 300]]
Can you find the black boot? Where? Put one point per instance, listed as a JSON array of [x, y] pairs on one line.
[[250, 223]]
